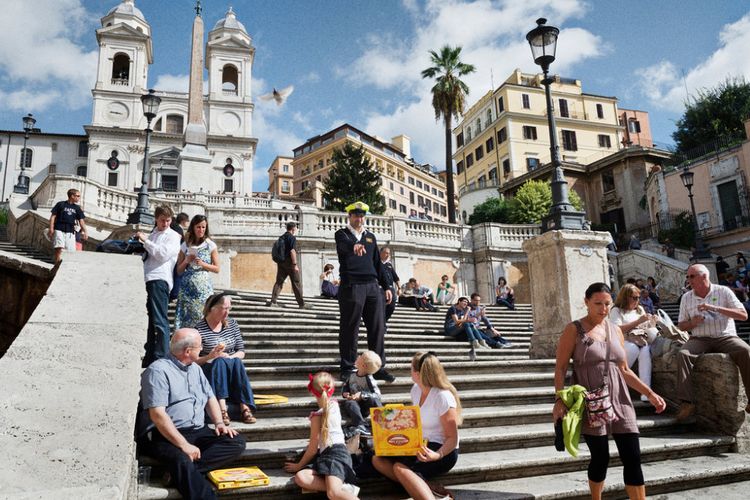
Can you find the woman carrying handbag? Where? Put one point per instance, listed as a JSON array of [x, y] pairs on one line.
[[600, 365]]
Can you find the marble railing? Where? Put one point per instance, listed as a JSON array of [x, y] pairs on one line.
[[668, 273], [506, 237]]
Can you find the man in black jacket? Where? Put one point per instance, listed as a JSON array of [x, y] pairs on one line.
[[365, 289]]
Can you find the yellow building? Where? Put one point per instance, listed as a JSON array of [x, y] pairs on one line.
[[505, 134], [281, 177], [410, 189]]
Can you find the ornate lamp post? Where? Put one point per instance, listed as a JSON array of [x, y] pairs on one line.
[[141, 214], [22, 187], [562, 215], [700, 250]]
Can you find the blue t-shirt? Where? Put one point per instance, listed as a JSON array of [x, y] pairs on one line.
[[66, 216]]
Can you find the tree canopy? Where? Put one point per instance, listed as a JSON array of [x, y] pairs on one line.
[[353, 178], [714, 113], [533, 201], [491, 210]]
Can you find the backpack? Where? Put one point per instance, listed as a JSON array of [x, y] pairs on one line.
[[278, 251]]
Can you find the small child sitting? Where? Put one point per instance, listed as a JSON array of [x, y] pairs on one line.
[[360, 392]]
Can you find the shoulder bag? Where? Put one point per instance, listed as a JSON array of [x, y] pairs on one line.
[[599, 410]]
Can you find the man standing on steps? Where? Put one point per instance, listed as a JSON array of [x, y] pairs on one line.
[[364, 291], [176, 397], [288, 267], [61, 231], [385, 258], [708, 312]]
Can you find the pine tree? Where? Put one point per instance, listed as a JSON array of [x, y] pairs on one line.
[[353, 178]]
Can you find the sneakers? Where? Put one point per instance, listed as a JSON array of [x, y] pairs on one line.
[[474, 344], [483, 343], [351, 489], [382, 374], [306, 306], [687, 410], [472, 355], [363, 431], [273, 305]]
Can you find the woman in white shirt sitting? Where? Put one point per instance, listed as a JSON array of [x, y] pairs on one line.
[[633, 321], [440, 411]]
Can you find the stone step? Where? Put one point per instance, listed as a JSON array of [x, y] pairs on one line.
[[25, 252], [485, 466], [392, 338], [332, 344], [402, 368], [283, 357]]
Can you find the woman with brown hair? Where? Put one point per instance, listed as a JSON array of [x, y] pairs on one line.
[[198, 257], [440, 412]]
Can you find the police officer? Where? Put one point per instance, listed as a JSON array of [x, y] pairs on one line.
[[365, 289]]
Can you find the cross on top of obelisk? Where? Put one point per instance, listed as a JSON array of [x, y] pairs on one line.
[[198, 8]]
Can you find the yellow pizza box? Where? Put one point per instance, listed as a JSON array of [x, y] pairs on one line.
[[238, 477], [396, 430], [268, 399]]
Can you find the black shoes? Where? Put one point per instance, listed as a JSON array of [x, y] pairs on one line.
[[384, 375]]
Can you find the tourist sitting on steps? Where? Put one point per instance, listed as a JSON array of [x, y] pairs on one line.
[[504, 294], [360, 392], [329, 285], [590, 341], [221, 358], [176, 397], [446, 293], [440, 413], [459, 325], [478, 316], [708, 312]]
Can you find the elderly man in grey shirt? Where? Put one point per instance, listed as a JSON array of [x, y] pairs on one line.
[[175, 396]]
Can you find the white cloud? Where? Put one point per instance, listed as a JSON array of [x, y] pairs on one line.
[[43, 55], [495, 45], [665, 85]]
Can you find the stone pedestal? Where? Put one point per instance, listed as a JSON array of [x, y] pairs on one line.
[[194, 164], [562, 264]]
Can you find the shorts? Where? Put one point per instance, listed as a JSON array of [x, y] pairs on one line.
[[335, 461], [64, 240], [430, 469]]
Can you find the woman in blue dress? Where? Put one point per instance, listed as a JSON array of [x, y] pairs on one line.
[[198, 257]]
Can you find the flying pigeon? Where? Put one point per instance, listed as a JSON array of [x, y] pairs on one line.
[[278, 95]]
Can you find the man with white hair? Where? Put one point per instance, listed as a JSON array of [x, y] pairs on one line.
[[708, 312], [176, 396]]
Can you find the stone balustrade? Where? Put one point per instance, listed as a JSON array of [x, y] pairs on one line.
[[668, 273]]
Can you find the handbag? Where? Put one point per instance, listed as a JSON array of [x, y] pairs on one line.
[[598, 402]]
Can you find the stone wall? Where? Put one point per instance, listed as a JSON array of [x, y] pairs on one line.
[[70, 384], [668, 273]]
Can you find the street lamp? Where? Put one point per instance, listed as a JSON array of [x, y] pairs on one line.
[[22, 187], [141, 214], [700, 250], [562, 215]]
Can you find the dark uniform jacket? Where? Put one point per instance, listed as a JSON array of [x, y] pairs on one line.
[[355, 269]]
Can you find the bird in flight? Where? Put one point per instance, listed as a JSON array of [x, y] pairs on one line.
[[278, 95]]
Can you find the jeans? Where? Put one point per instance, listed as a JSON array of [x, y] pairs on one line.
[[466, 331], [157, 337], [229, 381]]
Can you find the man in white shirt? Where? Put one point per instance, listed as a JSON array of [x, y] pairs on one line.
[[162, 247], [708, 312]]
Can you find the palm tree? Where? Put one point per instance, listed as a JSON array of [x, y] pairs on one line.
[[448, 100]]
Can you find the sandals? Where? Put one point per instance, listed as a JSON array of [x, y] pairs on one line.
[[247, 416], [225, 417]]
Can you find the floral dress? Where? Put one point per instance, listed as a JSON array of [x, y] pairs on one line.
[[196, 287]]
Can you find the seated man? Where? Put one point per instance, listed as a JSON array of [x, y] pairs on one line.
[[424, 296], [175, 396], [708, 311], [479, 317]]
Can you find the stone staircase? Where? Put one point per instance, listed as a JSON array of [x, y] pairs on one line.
[[21, 250], [507, 435]]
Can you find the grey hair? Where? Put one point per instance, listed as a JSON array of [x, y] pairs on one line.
[[182, 339], [701, 269]]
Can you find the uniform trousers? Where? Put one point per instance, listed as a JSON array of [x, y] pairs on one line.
[[360, 301]]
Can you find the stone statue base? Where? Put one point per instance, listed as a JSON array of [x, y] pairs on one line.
[[562, 264]]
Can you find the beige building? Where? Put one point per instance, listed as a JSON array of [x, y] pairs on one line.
[[281, 177], [409, 188], [720, 193], [636, 128], [505, 134]]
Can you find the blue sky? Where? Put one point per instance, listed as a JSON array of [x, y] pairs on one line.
[[359, 61]]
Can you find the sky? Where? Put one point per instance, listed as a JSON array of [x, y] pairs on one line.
[[360, 61]]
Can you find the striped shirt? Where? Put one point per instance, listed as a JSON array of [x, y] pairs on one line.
[[715, 324], [230, 335]]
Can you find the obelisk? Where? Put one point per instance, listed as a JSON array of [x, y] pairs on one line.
[[194, 160]]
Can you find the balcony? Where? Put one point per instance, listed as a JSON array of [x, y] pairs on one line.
[[120, 81]]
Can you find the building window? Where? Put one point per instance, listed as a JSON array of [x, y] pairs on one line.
[[460, 139], [120, 69], [284, 186], [401, 190], [402, 209], [569, 142], [285, 169], [604, 141], [564, 108], [599, 111], [500, 105], [390, 185], [469, 160], [608, 181], [502, 135], [479, 152], [228, 185], [468, 135], [532, 164], [460, 166], [229, 79], [419, 184], [426, 187], [440, 194], [411, 197], [529, 132], [434, 192], [525, 101], [392, 203], [634, 126], [83, 149], [81, 171], [112, 179], [27, 155], [411, 180], [506, 167], [492, 175], [482, 181], [175, 124], [479, 125], [489, 118], [490, 144], [443, 211], [420, 200]]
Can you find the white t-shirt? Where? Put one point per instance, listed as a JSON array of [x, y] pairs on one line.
[[620, 317], [715, 324], [162, 248], [335, 433], [438, 402]]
